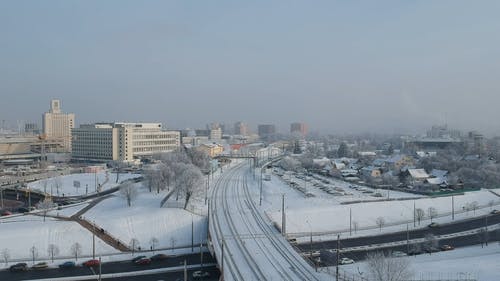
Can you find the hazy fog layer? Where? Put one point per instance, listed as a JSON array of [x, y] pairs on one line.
[[341, 66]]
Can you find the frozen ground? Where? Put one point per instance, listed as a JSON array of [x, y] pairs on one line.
[[145, 220], [326, 214], [89, 183], [471, 262]]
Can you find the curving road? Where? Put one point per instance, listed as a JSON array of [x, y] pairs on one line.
[[246, 244]]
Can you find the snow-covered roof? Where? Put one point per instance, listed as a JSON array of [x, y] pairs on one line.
[[395, 158], [436, 181], [418, 173], [378, 162], [439, 173]]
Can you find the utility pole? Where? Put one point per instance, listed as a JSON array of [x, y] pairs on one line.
[[222, 260], [283, 216], [260, 196], [407, 239], [93, 240], [100, 268], [192, 234], [486, 230], [414, 214], [350, 221], [185, 271], [1, 196], [452, 207], [201, 254], [338, 258]]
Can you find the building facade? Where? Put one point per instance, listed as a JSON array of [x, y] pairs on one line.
[[266, 131], [241, 129], [298, 129], [122, 141], [58, 125]]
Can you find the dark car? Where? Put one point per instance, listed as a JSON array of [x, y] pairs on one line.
[[68, 264], [433, 225], [432, 250], [22, 210], [159, 257], [18, 267], [90, 263], [414, 252], [138, 258], [495, 212], [143, 261]]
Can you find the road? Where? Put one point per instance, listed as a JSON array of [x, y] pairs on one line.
[[112, 267], [247, 245]]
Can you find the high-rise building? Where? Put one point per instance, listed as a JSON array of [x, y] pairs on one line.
[[266, 131], [122, 141], [241, 129], [298, 129], [58, 125]]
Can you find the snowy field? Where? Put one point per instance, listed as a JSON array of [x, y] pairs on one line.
[[89, 183], [19, 234], [145, 220], [325, 214], [470, 262]]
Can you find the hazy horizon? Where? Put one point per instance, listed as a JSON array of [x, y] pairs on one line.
[[340, 67]]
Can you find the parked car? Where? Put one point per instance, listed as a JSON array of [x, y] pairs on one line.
[[346, 261], [40, 265], [90, 263], [432, 250], [495, 212], [433, 225], [200, 274], [22, 266], [6, 213], [68, 264], [143, 261], [447, 248], [159, 257], [138, 258], [398, 254], [414, 252]]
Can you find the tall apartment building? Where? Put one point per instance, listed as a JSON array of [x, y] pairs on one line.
[[58, 125], [122, 141], [266, 132], [241, 129], [298, 129]]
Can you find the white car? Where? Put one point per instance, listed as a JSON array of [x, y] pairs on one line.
[[398, 254], [346, 261], [200, 274]]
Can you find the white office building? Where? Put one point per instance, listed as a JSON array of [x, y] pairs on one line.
[[122, 141], [58, 125]]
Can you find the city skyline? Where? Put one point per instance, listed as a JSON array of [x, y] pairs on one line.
[[340, 67]]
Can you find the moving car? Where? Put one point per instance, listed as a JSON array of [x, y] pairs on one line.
[[346, 261], [22, 266], [398, 254], [433, 225], [447, 248], [40, 265], [200, 274], [138, 258], [494, 212], [68, 264], [143, 261], [159, 257], [90, 263]]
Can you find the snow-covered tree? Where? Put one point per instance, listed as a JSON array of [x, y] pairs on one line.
[[5, 255], [419, 214], [129, 192], [134, 245], [34, 253], [53, 251], [76, 250], [46, 205], [189, 181], [153, 243], [380, 221], [385, 268], [432, 212]]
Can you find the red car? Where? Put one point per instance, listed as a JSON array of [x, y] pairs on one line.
[[143, 261], [90, 263], [6, 213]]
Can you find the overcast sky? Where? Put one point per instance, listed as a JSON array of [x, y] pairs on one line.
[[340, 66]]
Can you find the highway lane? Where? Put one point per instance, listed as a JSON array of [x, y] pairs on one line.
[[172, 276], [448, 228], [112, 267]]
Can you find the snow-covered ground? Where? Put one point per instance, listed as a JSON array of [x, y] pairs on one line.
[[470, 262], [89, 183], [325, 213], [145, 220], [19, 234]]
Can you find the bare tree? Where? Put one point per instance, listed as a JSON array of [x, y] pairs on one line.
[[432, 213], [134, 245], [355, 225], [153, 243], [46, 205], [419, 214], [34, 253], [199, 158], [76, 250], [380, 221], [384, 268], [491, 203], [430, 242], [474, 206], [483, 237], [290, 164], [129, 192], [6, 255], [53, 251], [189, 181], [172, 243]]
